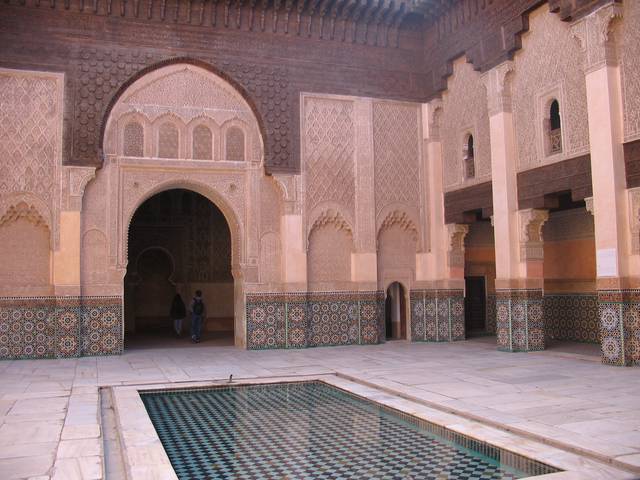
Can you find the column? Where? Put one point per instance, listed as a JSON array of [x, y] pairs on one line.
[[520, 315], [437, 304], [294, 255], [364, 267], [618, 304]]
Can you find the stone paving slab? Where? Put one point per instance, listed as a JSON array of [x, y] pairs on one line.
[[567, 399]]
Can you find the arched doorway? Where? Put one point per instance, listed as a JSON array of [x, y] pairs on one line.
[[395, 312], [179, 242]]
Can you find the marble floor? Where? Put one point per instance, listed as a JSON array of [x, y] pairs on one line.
[[50, 409]]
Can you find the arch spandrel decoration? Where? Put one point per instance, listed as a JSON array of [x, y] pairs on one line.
[[230, 203], [185, 92], [405, 218], [188, 96]]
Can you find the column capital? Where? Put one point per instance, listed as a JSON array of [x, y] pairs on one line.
[[74, 181], [432, 116], [498, 88], [457, 233], [291, 189], [588, 205], [531, 244], [593, 32]]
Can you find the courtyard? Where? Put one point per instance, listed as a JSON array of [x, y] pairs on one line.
[[52, 412]]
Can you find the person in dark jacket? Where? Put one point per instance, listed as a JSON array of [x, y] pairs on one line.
[[178, 313], [198, 314]]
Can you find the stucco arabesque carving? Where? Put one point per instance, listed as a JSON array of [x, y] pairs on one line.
[[498, 89], [456, 233], [593, 32], [138, 185], [291, 189], [332, 217], [634, 218], [531, 242], [23, 211], [19, 203], [75, 180], [402, 220], [434, 120]]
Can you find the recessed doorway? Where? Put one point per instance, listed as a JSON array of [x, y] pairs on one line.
[[179, 242], [395, 312], [475, 306]]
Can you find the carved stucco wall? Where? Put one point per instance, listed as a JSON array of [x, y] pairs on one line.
[[362, 167], [31, 106], [271, 210], [464, 112], [550, 65], [31, 142], [630, 61], [396, 255], [170, 103], [396, 140], [328, 154], [188, 97], [329, 257], [24, 253]]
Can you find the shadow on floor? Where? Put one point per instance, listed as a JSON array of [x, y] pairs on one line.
[[166, 338], [575, 348], [561, 348]]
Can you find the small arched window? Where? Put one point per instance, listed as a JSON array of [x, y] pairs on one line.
[[168, 139], [554, 130], [202, 143], [133, 140], [235, 144], [469, 158]]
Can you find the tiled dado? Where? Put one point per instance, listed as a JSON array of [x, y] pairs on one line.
[[491, 313], [437, 315], [53, 327], [572, 316], [520, 320], [299, 320], [619, 313]]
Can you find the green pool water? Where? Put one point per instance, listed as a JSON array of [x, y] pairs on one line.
[[311, 430]]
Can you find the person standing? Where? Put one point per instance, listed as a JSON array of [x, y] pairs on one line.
[[198, 314], [178, 313]]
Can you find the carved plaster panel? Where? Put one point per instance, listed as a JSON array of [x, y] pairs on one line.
[[549, 66], [291, 188], [634, 219], [226, 190], [594, 33], [464, 104], [456, 233], [396, 140], [75, 180], [328, 147], [31, 140], [630, 63], [184, 95], [531, 243], [329, 253]]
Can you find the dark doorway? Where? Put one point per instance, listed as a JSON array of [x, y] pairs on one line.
[[475, 306], [179, 242], [395, 312]]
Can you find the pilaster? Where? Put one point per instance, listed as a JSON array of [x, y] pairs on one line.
[[431, 265], [518, 241], [617, 306], [364, 268]]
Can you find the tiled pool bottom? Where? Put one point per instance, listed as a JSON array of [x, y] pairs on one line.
[[310, 430]]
